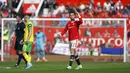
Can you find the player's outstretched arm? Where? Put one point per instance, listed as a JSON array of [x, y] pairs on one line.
[[65, 30], [76, 12], [80, 18]]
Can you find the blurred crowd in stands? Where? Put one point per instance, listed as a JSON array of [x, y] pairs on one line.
[[108, 9], [52, 9], [7, 10]]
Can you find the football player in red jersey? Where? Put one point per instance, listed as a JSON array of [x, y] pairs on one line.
[[73, 30]]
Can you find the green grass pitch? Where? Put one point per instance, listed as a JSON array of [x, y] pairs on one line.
[[59, 67]]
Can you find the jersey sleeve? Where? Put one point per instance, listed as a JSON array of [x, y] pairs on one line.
[[22, 26], [43, 35], [80, 21]]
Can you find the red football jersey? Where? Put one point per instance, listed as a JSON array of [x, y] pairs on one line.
[[73, 29]]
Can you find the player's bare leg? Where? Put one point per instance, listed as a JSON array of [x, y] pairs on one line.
[[77, 60], [71, 58]]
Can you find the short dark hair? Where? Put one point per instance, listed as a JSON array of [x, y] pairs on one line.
[[72, 11], [20, 15]]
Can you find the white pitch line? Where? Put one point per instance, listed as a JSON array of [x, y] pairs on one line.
[[2, 67]]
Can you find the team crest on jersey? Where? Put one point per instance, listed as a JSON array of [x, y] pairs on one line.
[[29, 25]]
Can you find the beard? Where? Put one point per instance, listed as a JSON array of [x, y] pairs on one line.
[[72, 19]]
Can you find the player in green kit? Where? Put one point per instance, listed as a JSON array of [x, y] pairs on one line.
[[28, 41]]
